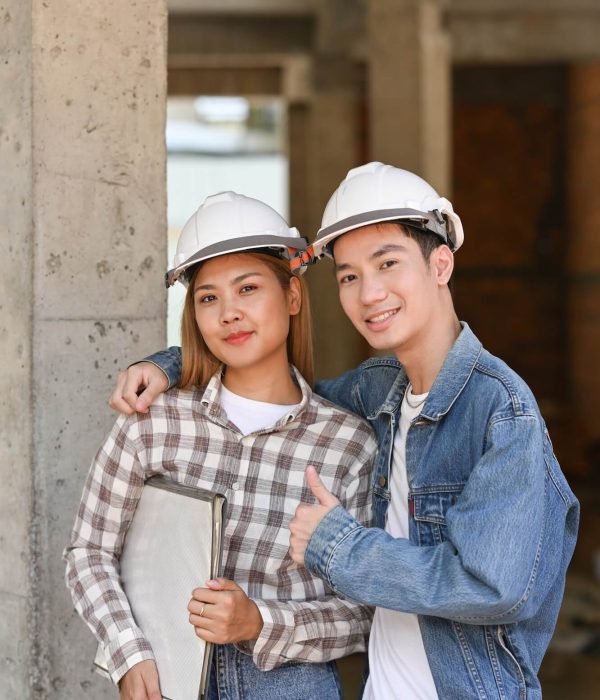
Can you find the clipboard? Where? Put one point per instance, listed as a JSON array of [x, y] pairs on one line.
[[173, 545]]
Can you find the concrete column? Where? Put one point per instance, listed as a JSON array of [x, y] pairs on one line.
[[583, 184], [15, 348], [409, 88], [82, 189]]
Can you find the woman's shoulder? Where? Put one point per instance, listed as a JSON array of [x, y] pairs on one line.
[[172, 403], [325, 410]]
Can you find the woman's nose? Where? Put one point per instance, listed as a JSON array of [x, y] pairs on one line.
[[230, 313]]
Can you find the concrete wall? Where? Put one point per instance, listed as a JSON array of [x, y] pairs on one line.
[[82, 192], [15, 346]]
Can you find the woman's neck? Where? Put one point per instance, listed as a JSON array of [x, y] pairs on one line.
[[273, 386]]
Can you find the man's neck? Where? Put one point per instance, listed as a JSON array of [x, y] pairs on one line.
[[423, 361]]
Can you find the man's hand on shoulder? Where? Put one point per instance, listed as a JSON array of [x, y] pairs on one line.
[[140, 682], [137, 388]]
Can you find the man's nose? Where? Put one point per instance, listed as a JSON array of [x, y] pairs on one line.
[[371, 291]]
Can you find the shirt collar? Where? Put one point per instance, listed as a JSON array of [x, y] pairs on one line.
[[210, 400], [454, 375], [449, 383]]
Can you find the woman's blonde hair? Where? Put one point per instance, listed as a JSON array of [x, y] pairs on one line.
[[198, 362]]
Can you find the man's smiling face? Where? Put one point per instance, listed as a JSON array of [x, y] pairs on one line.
[[387, 288]]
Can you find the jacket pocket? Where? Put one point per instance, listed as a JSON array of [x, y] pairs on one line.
[[429, 509], [511, 662]]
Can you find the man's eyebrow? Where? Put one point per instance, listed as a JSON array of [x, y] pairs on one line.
[[235, 280], [389, 248], [380, 252]]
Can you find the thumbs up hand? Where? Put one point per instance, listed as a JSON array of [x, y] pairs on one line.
[[306, 519]]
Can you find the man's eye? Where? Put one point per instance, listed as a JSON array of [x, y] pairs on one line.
[[388, 263]]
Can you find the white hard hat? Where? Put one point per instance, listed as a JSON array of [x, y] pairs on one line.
[[228, 223], [376, 192]]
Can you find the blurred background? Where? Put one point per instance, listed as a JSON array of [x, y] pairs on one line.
[[116, 120]]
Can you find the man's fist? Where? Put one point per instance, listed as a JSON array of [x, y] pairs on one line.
[[306, 519], [143, 377]]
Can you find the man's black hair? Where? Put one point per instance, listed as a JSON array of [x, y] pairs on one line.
[[426, 240]]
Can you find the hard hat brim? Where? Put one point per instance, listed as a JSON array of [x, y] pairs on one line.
[[237, 245], [329, 233]]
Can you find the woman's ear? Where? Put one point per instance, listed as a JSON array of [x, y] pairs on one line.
[[294, 296], [442, 264]]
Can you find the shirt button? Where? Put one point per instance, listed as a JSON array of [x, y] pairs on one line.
[[235, 486], [382, 481]]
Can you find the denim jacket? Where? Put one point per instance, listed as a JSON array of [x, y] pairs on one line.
[[492, 523], [492, 526]]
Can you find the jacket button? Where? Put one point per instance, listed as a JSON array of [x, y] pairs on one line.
[[382, 481]]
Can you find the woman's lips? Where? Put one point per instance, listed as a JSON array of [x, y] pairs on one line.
[[238, 338]]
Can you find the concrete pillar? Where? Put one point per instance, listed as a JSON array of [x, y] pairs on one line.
[[583, 183], [15, 348], [409, 88], [82, 202]]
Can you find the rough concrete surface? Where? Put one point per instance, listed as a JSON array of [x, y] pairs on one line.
[[83, 211]]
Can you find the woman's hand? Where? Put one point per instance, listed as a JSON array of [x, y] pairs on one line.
[[140, 682], [222, 613]]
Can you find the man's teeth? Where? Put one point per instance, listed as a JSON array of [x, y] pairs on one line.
[[382, 317]]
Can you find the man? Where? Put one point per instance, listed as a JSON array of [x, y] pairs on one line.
[[476, 523]]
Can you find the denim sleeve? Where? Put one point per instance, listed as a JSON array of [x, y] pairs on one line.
[[487, 569], [341, 390], [169, 361]]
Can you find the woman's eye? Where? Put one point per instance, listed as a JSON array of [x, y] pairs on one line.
[[248, 288], [346, 278], [207, 298]]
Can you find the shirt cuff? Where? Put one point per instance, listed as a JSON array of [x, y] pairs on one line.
[[128, 649], [269, 649]]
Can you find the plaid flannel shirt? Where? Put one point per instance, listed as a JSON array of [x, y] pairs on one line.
[[187, 435]]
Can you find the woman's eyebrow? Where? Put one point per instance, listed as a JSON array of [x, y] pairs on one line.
[[235, 280]]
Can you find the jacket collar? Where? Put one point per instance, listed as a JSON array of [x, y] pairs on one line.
[[449, 383]]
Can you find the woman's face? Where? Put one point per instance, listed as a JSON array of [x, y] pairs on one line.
[[242, 311]]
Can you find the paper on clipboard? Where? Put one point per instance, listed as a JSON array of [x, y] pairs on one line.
[[173, 545]]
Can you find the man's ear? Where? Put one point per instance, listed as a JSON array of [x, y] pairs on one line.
[[295, 296], [442, 264]]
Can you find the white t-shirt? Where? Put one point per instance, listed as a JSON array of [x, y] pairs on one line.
[[398, 666], [250, 415]]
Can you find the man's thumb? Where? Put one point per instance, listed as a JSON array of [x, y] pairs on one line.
[[320, 492]]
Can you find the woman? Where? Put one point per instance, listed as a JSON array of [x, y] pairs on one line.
[[243, 422]]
